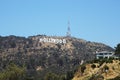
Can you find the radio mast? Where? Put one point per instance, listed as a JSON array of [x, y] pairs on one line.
[[68, 30]]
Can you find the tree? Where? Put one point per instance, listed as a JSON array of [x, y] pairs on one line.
[[117, 50], [13, 72], [69, 75], [51, 76]]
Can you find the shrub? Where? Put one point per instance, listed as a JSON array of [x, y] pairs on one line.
[[105, 68], [96, 77], [93, 66], [83, 68]]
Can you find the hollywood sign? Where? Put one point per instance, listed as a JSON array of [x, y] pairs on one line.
[[52, 40]]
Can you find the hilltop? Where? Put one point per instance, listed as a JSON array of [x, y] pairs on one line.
[[41, 54]]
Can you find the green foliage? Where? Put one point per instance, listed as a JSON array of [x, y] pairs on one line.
[[51, 76], [13, 72], [69, 75], [117, 49]]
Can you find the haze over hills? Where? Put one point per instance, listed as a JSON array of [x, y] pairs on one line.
[[43, 53]]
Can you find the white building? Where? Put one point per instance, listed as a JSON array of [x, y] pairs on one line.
[[104, 54]]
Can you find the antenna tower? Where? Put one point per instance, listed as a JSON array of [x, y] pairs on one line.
[[68, 30]]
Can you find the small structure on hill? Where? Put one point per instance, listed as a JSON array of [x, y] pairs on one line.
[[104, 54]]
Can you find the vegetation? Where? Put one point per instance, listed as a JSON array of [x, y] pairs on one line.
[[93, 66], [97, 77], [13, 72], [41, 58], [53, 76], [117, 50], [116, 78], [100, 69], [83, 67]]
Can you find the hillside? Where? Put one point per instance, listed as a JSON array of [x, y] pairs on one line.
[[97, 71], [41, 54]]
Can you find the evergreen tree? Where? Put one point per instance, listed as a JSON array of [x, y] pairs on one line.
[[117, 50]]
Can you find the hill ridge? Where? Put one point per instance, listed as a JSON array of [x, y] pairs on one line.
[[40, 55]]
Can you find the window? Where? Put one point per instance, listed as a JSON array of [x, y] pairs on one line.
[[100, 53]]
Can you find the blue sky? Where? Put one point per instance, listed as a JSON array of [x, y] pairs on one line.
[[92, 20]]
